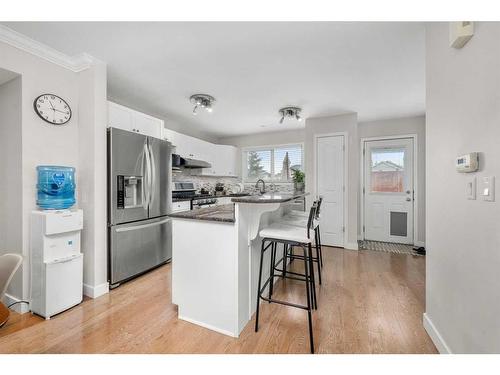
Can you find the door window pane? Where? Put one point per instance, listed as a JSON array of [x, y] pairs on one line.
[[387, 170]]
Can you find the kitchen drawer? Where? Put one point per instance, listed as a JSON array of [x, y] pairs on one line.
[[181, 206]]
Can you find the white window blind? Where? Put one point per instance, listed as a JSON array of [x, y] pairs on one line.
[[274, 163]]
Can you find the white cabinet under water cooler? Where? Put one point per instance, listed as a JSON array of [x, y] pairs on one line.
[[56, 261]]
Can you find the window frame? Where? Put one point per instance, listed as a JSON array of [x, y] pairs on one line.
[[271, 147]]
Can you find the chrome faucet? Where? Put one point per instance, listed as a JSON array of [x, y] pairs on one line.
[[263, 190]]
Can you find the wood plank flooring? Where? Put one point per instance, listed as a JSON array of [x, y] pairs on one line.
[[370, 302]]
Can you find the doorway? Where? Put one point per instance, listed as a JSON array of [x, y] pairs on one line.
[[389, 190], [330, 185]]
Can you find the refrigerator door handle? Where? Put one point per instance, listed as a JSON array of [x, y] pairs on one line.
[[147, 183], [136, 227], [153, 174]]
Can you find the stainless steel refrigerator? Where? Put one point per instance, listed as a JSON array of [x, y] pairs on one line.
[[139, 196]]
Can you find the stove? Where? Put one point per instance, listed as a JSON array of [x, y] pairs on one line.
[[187, 190], [199, 201]]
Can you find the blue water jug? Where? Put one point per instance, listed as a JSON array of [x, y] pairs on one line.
[[56, 187]]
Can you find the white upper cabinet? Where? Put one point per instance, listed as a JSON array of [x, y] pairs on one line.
[[190, 147], [147, 125], [119, 117], [227, 160], [224, 159], [133, 121]]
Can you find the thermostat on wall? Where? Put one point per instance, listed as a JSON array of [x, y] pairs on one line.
[[467, 163]]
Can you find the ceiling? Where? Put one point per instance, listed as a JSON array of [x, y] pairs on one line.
[[252, 68]]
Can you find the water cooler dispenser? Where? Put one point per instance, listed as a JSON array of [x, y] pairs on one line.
[[56, 261]]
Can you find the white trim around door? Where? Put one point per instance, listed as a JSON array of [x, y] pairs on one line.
[[344, 136], [414, 137]]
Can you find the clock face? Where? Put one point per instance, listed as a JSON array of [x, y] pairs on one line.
[[52, 109]]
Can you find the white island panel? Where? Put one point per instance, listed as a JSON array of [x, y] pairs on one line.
[[204, 274], [215, 260]]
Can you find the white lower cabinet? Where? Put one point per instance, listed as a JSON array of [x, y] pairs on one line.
[[181, 206]]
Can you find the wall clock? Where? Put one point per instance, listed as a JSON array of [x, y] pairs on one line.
[[52, 109]]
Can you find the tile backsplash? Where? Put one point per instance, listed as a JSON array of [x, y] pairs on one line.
[[231, 183], [208, 182]]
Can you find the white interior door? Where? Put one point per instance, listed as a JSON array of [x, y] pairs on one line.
[[330, 186], [388, 190]]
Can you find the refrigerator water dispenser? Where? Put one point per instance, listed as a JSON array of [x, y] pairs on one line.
[[130, 191]]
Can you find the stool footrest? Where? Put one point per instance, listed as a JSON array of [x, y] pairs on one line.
[[272, 300], [293, 256]]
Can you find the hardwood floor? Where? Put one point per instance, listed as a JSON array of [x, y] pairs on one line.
[[370, 302]]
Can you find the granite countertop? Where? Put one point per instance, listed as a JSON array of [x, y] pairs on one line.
[[208, 196], [223, 213], [270, 197]]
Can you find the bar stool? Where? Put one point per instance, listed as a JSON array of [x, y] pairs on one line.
[[300, 221], [288, 236], [318, 216]]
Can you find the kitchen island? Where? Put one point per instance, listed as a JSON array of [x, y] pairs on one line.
[[215, 259]]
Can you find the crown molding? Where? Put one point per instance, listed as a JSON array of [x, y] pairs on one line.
[[20, 41]]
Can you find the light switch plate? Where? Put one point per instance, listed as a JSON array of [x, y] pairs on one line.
[[470, 188], [488, 189]]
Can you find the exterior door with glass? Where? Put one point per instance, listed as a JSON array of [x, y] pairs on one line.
[[388, 190]]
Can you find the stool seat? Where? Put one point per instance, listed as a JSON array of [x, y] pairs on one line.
[[297, 221], [284, 232]]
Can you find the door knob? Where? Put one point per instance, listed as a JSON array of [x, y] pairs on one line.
[[408, 191], [408, 199]]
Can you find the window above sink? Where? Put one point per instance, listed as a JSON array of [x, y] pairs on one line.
[[272, 163]]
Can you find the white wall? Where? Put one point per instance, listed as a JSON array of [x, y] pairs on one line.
[[388, 127], [11, 238], [263, 139], [395, 127], [93, 177], [463, 236], [325, 125], [43, 143]]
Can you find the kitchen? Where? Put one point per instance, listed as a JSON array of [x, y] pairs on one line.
[[173, 190], [140, 243], [225, 194]]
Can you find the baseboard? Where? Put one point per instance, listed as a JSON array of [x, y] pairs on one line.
[[419, 244], [208, 326], [351, 246], [20, 308], [435, 336], [95, 291]]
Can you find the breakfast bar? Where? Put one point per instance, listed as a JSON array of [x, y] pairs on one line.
[[215, 254]]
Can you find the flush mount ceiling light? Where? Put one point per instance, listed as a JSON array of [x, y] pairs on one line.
[[203, 101], [290, 112]]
